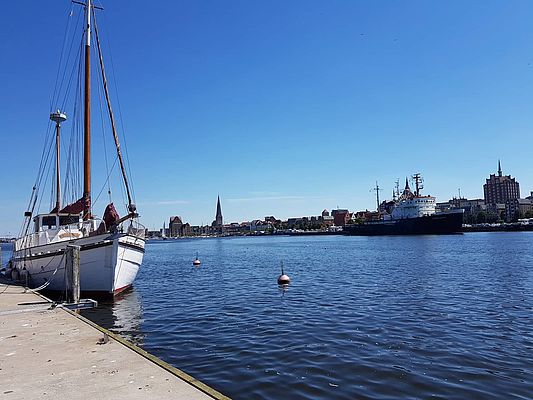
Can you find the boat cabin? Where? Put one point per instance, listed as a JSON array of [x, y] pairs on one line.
[[45, 222]]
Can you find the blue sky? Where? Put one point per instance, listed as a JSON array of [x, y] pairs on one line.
[[284, 107]]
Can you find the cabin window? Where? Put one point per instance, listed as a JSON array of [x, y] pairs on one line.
[[49, 222], [68, 219]]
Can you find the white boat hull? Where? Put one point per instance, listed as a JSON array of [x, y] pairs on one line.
[[108, 263]]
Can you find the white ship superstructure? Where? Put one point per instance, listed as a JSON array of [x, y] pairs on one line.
[[414, 208], [413, 205]]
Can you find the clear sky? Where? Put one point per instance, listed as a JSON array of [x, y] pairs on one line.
[[284, 107]]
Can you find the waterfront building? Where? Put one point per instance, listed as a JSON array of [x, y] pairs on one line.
[[340, 216], [259, 226], [271, 219], [175, 226], [186, 230], [495, 212], [294, 221], [475, 210], [327, 220], [500, 188], [518, 208], [150, 234]]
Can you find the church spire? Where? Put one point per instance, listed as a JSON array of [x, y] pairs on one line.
[[218, 218], [499, 168]]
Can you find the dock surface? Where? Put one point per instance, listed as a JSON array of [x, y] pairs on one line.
[[52, 353]]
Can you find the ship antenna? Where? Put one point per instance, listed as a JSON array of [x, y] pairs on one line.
[[418, 181], [376, 189]]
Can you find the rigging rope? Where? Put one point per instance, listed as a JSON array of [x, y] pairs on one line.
[[58, 91], [53, 99], [112, 118], [123, 130], [103, 136]]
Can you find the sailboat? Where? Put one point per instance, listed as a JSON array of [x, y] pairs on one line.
[[111, 248]]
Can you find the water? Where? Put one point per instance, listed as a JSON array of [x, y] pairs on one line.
[[364, 317]]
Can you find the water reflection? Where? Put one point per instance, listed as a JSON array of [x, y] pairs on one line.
[[123, 315]]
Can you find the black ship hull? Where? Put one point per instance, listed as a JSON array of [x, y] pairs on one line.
[[436, 224]]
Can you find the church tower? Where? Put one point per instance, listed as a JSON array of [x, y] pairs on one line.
[[218, 219]]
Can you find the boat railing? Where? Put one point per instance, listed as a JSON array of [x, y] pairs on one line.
[[66, 232], [136, 229], [32, 240]]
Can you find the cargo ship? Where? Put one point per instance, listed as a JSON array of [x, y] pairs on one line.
[[409, 213]]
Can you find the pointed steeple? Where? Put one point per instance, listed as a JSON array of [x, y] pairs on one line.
[[407, 191], [218, 218], [499, 168]]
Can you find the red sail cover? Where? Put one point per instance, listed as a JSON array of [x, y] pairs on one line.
[[110, 215], [74, 208], [110, 218]]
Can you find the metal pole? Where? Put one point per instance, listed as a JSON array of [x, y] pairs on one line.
[[73, 272], [87, 121]]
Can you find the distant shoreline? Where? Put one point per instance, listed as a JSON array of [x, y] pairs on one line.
[[498, 228], [465, 229]]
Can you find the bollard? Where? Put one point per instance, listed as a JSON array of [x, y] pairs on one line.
[[72, 261]]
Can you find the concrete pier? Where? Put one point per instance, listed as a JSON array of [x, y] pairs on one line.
[[54, 353]]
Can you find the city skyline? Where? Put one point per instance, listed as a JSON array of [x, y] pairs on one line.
[[384, 199], [286, 109]]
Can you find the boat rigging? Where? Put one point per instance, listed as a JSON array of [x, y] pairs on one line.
[[112, 247]]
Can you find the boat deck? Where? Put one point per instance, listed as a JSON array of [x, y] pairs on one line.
[[55, 353]]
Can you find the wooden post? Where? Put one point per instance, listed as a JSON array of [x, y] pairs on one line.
[[73, 272]]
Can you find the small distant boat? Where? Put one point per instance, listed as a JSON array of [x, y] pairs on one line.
[[163, 232], [111, 248], [410, 214]]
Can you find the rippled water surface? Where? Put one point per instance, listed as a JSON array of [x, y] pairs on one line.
[[364, 317]]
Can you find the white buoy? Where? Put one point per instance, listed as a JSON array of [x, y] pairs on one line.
[[196, 260], [283, 279]]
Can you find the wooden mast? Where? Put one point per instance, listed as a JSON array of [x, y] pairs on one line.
[[87, 120]]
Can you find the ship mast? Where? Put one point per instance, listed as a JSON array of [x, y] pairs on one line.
[[396, 191], [87, 119], [376, 189], [418, 184]]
